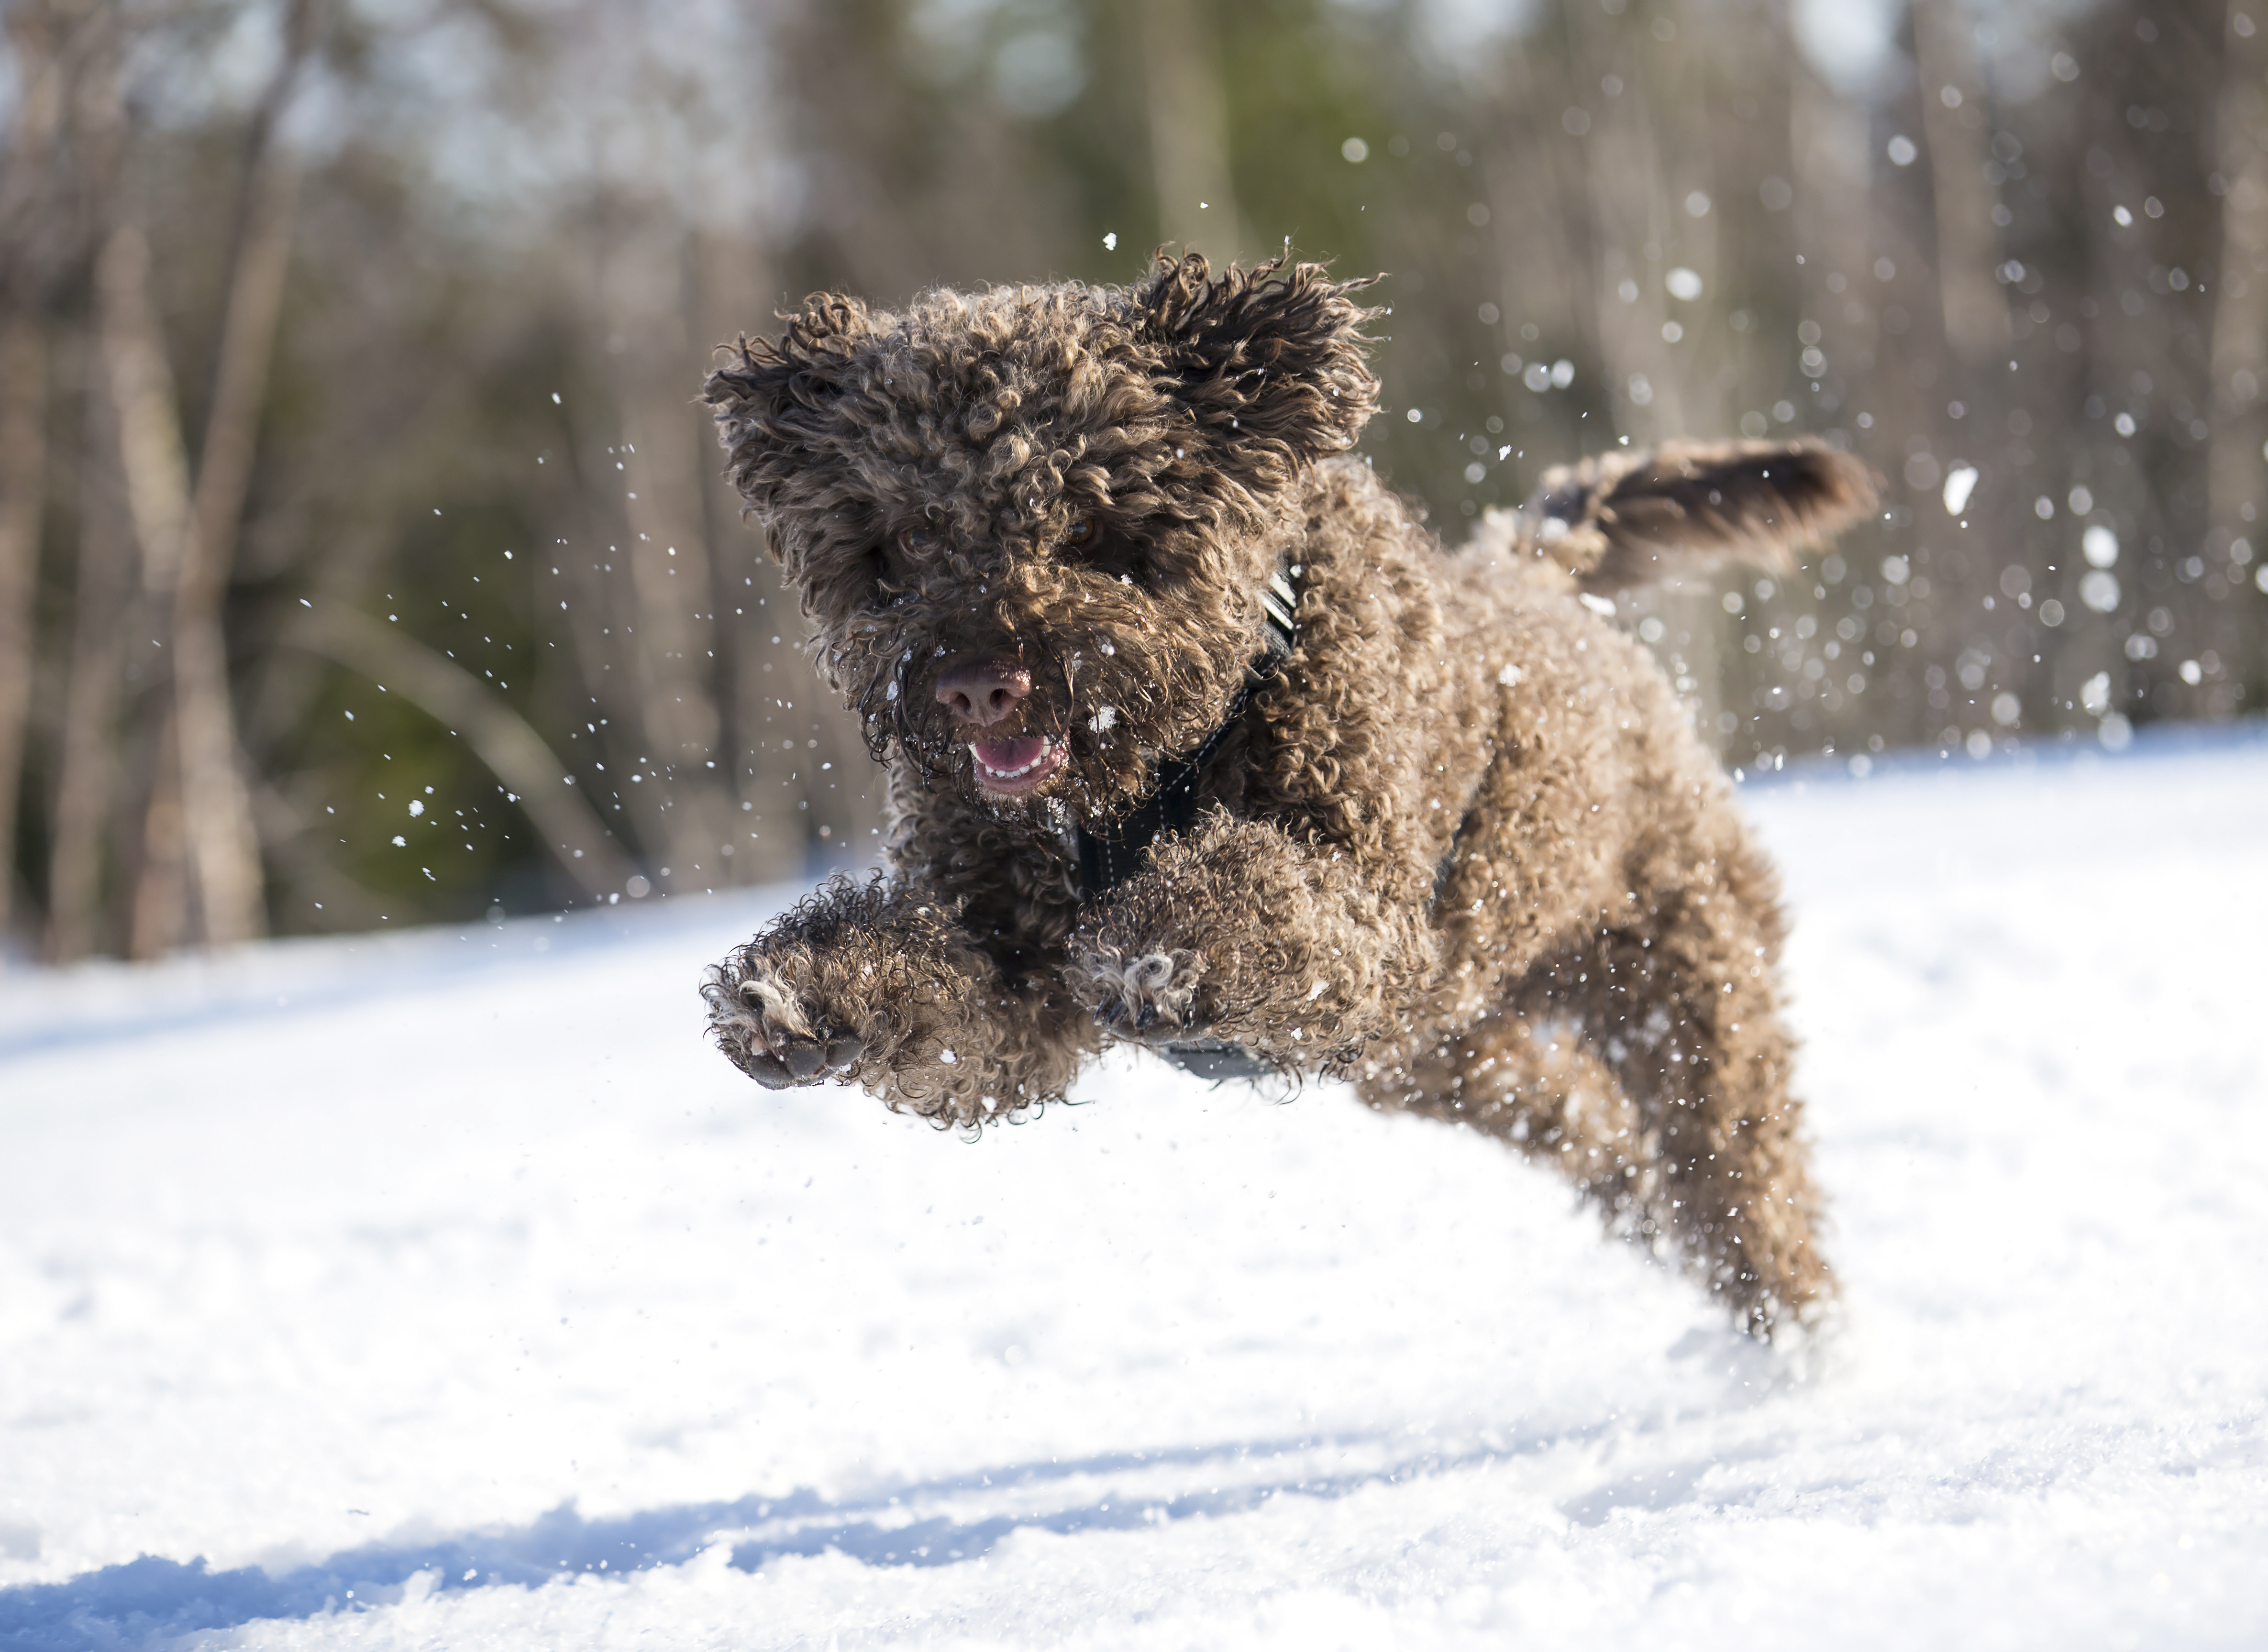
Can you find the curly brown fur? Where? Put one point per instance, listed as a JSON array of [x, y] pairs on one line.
[[874, 982], [1462, 846], [1173, 418]]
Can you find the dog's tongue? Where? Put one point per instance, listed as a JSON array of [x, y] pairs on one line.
[[1006, 757]]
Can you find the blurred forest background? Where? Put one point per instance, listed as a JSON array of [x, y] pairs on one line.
[[362, 557]]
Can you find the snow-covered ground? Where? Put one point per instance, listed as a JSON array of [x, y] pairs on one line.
[[446, 1290]]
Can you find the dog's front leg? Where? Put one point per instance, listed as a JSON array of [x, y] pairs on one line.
[[877, 983], [1236, 932]]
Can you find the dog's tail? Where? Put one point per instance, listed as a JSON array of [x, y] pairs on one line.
[[1621, 519]]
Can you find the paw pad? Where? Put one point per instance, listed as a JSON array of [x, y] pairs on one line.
[[765, 1031]]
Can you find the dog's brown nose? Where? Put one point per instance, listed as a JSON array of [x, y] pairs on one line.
[[982, 693]]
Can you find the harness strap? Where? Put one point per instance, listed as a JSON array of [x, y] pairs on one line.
[[1107, 859]]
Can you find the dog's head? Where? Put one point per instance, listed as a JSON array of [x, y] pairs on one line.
[[1032, 525]]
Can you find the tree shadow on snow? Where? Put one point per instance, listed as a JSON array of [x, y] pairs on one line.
[[151, 1598]]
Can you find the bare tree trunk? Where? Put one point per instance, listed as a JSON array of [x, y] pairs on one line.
[[89, 760], [1189, 131], [668, 552], [731, 276], [2240, 312], [87, 757], [1629, 190], [140, 382], [1608, 204], [34, 32], [156, 470], [157, 922], [603, 623], [1952, 119], [1536, 274], [2236, 477], [23, 494], [223, 844]]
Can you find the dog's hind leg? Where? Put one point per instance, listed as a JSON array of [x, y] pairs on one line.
[[1682, 1004], [1537, 1082], [1648, 1064]]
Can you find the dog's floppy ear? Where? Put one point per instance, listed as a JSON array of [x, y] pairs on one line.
[[780, 406], [1627, 519], [1270, 360]]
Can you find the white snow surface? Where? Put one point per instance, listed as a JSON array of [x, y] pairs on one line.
[[446, 1291]]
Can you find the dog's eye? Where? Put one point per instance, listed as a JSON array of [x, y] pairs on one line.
[[916, 542], [1079, 533]]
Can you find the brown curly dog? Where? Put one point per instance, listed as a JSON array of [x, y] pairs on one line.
[[1198, 738]]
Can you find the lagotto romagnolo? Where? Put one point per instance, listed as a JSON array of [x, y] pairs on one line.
[[1198, 738]]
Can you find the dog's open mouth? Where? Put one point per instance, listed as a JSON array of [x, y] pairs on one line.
[[1017, 768]]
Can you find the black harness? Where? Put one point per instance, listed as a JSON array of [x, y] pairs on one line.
[[1108, 857]]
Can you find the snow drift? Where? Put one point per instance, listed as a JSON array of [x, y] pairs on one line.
[[443, 1289]]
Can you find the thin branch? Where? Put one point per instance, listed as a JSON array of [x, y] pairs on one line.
[[533, 775]]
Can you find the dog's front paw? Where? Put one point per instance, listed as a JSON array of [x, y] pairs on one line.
[[766, 1029], [1151, 997], [797, 1060]]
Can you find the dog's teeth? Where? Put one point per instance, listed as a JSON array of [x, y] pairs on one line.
[[1010, 774]]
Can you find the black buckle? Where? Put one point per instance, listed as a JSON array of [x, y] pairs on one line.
[[1210, 1057]]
